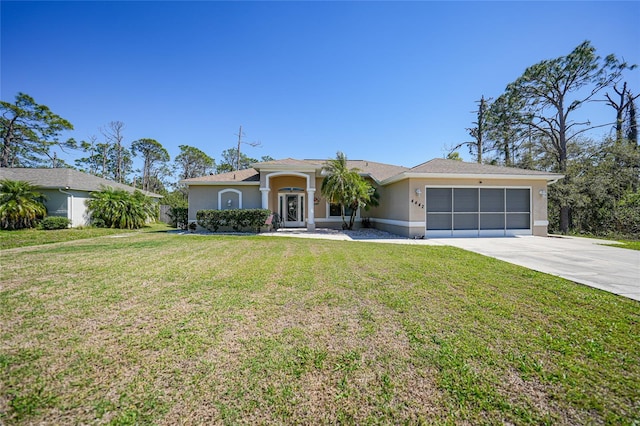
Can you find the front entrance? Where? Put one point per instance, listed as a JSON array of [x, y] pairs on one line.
[[291, 209]]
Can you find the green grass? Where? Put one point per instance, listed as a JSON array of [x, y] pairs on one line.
[[34, 237], [627, 244], [158, 328]]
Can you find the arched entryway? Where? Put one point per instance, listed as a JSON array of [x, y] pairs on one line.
[[290, 194]]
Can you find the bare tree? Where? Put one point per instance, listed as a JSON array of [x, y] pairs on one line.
[[622, 105], [113, 136], [632, 130], [477, 132]]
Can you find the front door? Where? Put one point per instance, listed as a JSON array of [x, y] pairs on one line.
[[291, 209]]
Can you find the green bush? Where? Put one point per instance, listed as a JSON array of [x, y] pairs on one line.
[[21, 205], [179, 216], [628, 214], [236, 219], [55, 222], [117, 208]]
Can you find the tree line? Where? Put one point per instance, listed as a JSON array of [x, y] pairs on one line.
[[536, 124], [30, 134]]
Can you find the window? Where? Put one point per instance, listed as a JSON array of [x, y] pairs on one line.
[[334, 210]]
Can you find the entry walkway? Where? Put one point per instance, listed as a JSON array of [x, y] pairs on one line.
[[583, 260]]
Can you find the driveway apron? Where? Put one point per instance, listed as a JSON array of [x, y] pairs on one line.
[[582, 260]]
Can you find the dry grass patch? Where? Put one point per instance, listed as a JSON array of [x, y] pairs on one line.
[[166, 329]]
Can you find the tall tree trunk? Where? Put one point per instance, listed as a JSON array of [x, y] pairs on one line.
[[562, 144], [632, 134], [7, 144]]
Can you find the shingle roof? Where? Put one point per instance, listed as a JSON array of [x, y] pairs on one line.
[[246, 175], [444, 166], [290, 162], [380, 172], [63, 178]]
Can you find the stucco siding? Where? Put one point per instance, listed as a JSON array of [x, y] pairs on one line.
[[394, 202], [206, 198]]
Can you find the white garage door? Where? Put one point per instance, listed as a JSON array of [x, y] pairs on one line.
[[477, 212]]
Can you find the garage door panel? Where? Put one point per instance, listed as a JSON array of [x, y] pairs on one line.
[[492, 221], [517, 200], [492, 200], [438, 222], [518, 221], [465, 221], [465, 200], [439, 200]]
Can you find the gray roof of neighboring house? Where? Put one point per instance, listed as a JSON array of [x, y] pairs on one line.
[[64, 178]]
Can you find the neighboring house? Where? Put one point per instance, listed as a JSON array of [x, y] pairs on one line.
[[435, 199], [66, 190]]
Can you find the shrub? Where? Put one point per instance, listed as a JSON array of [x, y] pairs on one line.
[[179, 216], [237, 219], [21, 206], [55, 222], [628, 214], [117, 208]]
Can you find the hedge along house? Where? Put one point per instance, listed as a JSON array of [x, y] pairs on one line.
[[66, 190], [439, 198]]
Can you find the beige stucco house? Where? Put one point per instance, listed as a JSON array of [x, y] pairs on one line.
[[66, 190], [439, 198]]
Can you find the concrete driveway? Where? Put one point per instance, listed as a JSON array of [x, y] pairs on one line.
[[581, 260]]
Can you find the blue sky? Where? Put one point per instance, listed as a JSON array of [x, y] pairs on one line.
[[394, 82]]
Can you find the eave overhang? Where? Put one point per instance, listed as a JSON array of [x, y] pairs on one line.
[[221, 183], [550, 178]]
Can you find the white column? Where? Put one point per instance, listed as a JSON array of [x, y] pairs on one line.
[[311, 224], [265, 197]]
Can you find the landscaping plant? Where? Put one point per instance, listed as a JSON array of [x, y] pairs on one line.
[[21, 206], [117, 208]]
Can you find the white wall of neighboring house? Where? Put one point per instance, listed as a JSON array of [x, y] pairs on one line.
[[79, 214]]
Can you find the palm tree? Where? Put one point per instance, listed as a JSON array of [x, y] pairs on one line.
[[345, 186], [117, 208], [21, 206]]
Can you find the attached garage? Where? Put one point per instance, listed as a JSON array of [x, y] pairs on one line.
[[477, 212]]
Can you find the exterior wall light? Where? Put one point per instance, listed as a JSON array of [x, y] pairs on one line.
[[229, 203], [543, 193], [418, 191]]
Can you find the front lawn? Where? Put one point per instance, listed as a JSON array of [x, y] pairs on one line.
[[34, 237], [157, 328]]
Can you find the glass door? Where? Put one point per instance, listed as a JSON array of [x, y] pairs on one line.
[[291, 209]]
